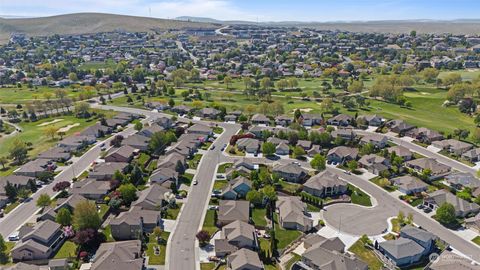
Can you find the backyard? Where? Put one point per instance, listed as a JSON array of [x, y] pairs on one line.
[[365, 254], [152, 242]]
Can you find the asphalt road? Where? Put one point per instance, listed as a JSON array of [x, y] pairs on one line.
[[24, 211]]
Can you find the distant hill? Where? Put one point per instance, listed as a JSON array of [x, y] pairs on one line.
[[460, 26], [81, 23]]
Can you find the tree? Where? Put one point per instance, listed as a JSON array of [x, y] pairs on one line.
[[318, 162], [352, 165], [3, 251], [227, 81], [18, 151], [203, 237], [64, 217], [298, 152], [446, 214], [255, 197], [157, 232], [11, 191], [136, 176], [138, 126], [61, 186], [81, 109], [356, 87], [401, 217], [128, 193], [50, 131], [85, 216], [43, 200], [268, 148]]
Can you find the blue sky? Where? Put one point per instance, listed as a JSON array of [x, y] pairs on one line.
[[262, 10]]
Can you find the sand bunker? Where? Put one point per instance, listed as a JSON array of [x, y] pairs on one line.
[[67, 128], [49, 123], [306, 110]]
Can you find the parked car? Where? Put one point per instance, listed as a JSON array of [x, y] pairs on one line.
[[14, 236], [427, 210], [195, 182], [420, 206], [213, 147]]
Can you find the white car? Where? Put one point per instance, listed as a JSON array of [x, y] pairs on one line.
[[195, 182], [14, 236]]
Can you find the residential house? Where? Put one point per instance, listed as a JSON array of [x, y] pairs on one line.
[[98, 130], [319, 256], [379, 141], [57, 154], [244, 259], [210, 113], [229, 211], [342, 154], [257, 131], [164, 176], [260, 119], [248, 145], [291, 172], [125, 255], [77, 142], [401, 151], [310, 120], [151, 198], [40, 243], [402, 251], [340, 120], [137, 141], [18, 181], [435, 168], [277, 141], [346, 134], [164, 122], [333, 244], [181, 109], [325, 184], [450, 261], [462, 208], [200, 129], [106, 170], [282, 149], [472, 155], [424, 135], [124, 153], [292, 214], [423, 238], [314, 150], [235, 236], [409, 184], [134, 223], [453, 146], [374, 163], [371, 120], [283, 120], [473, 223], [399, 126], [230, 118], [91, 189], [236, 188], [460, 180], [35, 168], [151, 130], [306, 145]]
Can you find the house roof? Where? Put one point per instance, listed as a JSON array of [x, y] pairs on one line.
[[54, 153], [373, 138], [151, 196], [371, 159], [260, 118], [125, 255], [409, 182], [234, 210], [417, 233], [400, 151], [136, 140], [125, 151], [324, 179], [43, 230], [451, 261], [443, 196], [343, 151], [463, 179], [90, 187], [429, 163], [402, 248], [135, 215], [323, 258], [238, 228], [289, 168], [108, 168], [199, 128], [244, 259], [292, 209]]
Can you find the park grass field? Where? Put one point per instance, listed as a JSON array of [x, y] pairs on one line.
[[467, 75], [15, 95]]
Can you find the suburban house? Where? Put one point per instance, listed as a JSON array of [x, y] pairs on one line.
[[409, 184], [401, 151], [290, 172], [151, 198], [346, 134], [282, 149], [436, 168], [134, 223], [76, 143], [423, 238], [41, 242], [374, 163], [137, 141], [230, 118], [98, 130], [292, 214], [151, 130], [210, 113], [310, 120], [342, 154], [316, 149], [230, 211], [379, 141], [472, 155], [276, 141], [164, 176], [283, 120], [18, 181], [449, 260], [305, 144], [460, 180], [260, 119], [119, 255], [399, 126], [321, 256], [244, 259], [91, 189], [124, 153], [325, 184], [36, 167], [424, 135], [57, 154], [244, 166], [257, 131], [236, 188], [453, 146], [473, 223], [200, 129], [340, 120], [315, 239], [371, 120], [462, 207], [106, 170], [181, 109], [248, 145], [235, 236]]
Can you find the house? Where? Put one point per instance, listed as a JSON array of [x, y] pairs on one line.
[[105, 171], [151, 130], [57, 154], [248, 145], [453, 146], [91, 189], [35, 168], [164, 122], [333, 244], [235, 236], [164, 176], [124, 153], [460, 180], [125, 255], [401, 151], [325, 184], [423, 238], [134, 223], [290, 172], [210, 113], [174, 161], [342, 154], [402, 251], [462, 207], [18, 181], [379, 141], [371, 120], [282, 149], [340, 120], [244, 259], [473, 223], [244, 166], [472, 155], [374, 163], [181, 109], [236, 188], [320, 256], [257, 131], [77, 143], [424, 135], [306, 145], [137, 141], [399, 126], [409, 184], [98, 130], [314, 150], [450, 261], [230, 118], [229, 211], [283, 120], [435, 168], [292, 214], [40, 243], [200, 129], [346, 134], [310, 120], [151, 198], [260, 119]]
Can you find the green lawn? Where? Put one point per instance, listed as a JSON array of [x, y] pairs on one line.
[[193, 163], [172, 213], [396, 227], [98, 65], [217, 130], [10, 207], [293, 260], [259, 216], [284, 237], [186, 179], [358, 196], [209, 223], [289, 187], [142, 159], [157, 259], [108, 234], [220, 184], [223, 167], [68, 250], [376, 181], [15, 95], [476, 240], [207, 266], [366, 255], [104, 208]]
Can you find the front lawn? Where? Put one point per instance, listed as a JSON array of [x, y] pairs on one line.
[[379, 182], [9, 208], [476, 240], [220, 184], [259, 216], [207, 266], [152, 242], [284, 237], [217, 130], [209, 223], [193, 163], [358, 196], [68, 250], [365, 254], [223, 167], [291, 188], [186, 179], [172, 213]]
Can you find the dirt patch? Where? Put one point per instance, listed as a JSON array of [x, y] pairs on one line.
[[306, 110], [67, 128], [49, 123]]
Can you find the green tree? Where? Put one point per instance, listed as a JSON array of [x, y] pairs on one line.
[[227, 81], [128, 193], [356, 87], [85, 216], [255, 197], [446, 214], [64, 217], [43, 200], [298, 152], [138, 126], [3, 251], [318, 162], [268, 149], [352, 165], [18, 151]]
